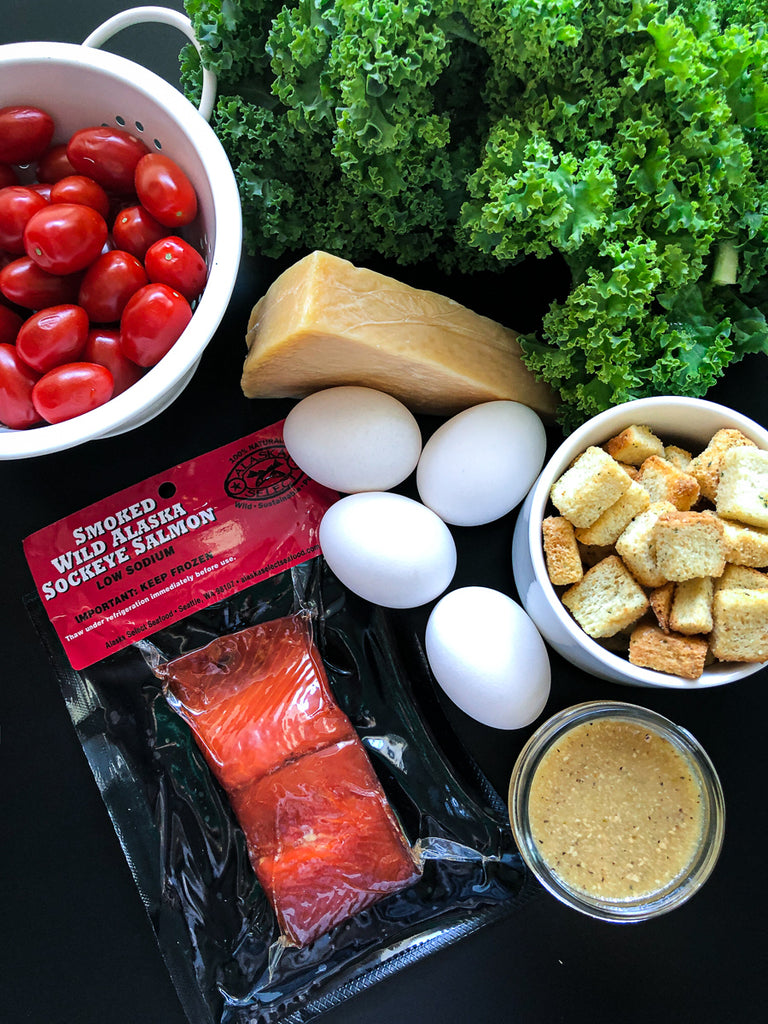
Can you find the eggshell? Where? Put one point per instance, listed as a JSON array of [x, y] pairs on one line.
[[488, 657], [387, 548], [482, 462], [353, 439]]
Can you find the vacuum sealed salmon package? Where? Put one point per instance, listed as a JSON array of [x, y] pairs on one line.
[[265, 742]]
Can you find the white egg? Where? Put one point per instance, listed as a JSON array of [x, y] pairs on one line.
[[387, 548], [482, 462], [353, 439], [488, 657]]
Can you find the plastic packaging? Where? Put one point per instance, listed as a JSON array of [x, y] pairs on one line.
[[213, 920]]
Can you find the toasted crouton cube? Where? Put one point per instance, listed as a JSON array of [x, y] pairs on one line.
[[684, 656], [742, 577], [665, 482], [742, 492], [561, 551], [607, 600], [706, 466], [691, 610], [688, 545], [745, 545], [634, 445], [606, 528], [679, 457], [590, 486], [637, 548], [661, 604], [740, 625]]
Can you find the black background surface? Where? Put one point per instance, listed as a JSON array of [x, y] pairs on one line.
[[75, 943]]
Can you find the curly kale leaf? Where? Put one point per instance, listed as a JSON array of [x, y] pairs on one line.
[[627, 137]]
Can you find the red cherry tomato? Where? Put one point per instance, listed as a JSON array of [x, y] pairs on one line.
[[152, 322], [10, 322], [71, 390], [16, 384], [103, 347], [42, 188], [25, 284], [25, 134], [54, 164], [108, 155], [165, 190], [109, 282], [17, 204], [65, 237], [77, 188], [175, 262], [53, 336], [134, 230], [8, 176]]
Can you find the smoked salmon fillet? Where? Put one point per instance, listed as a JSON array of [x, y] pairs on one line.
[[321, 836]]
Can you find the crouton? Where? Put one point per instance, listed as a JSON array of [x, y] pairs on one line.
[[607, 600], [661, 604], [745, 545], [606, 528], [665, 482], [679, 457], [561, 551], [636, 546], [590, 486], [684, 656], [742, 492], [705, 467], [634, 445], [688, 545], [740, 625], [742, 577], [691, 610]]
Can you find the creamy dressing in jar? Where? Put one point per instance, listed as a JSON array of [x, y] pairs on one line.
[[615, 809]]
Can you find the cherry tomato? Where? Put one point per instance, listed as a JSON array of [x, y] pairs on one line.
[[165, 190], [71, 390], [54, 164], [175, 262], [10, 322], [25, 284], [103, 347], [65, 237], [42, 188], [134, 230], [108, 155], [109, 282], [77, 188], [17, 204], [25, 134], [53, 336], [8, 176], [152, 322], [16, 384]]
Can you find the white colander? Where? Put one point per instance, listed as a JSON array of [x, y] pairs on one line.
[[83, 86]]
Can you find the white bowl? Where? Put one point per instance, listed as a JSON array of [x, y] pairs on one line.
[[80, 87], [690, 422]]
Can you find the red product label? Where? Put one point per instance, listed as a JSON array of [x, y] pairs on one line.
[[179, 541]]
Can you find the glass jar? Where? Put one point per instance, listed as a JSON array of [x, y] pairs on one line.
[[594, 822]]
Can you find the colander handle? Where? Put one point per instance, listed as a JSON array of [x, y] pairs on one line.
[[164, 16]]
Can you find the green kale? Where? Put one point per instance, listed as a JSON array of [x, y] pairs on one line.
[[629, 138]]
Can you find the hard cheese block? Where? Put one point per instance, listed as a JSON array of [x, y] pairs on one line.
[[325, 322]]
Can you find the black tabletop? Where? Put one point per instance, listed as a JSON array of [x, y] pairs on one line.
[[76, 943]]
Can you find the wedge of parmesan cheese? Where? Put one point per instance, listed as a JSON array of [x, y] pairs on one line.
[[325, 322]]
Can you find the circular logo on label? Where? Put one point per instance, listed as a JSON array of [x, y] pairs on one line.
[[262, 474]]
